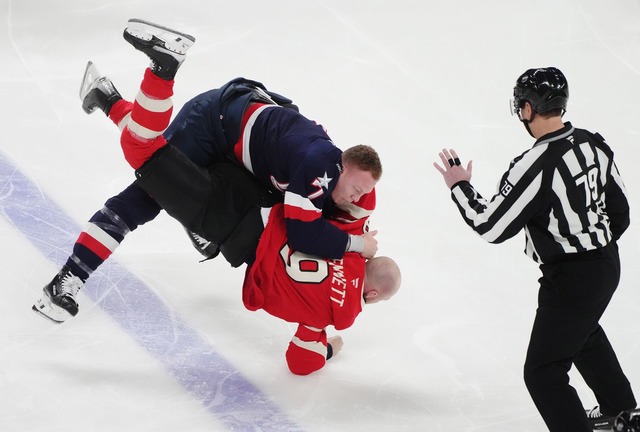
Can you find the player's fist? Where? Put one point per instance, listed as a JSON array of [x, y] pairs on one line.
[[336, 344], [370, 244]]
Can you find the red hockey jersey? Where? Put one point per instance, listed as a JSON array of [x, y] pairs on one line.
[[307, 290]]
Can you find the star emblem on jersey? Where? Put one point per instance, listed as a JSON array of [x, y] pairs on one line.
[[323, 182]]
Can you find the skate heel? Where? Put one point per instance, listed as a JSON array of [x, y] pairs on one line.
[[58, 300], [169, 39], [46, 309], [97, 91], [166, 48]]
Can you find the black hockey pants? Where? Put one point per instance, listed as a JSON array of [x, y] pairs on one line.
[[574, 293]]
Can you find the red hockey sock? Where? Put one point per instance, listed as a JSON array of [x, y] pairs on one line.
[[119, 110], [150, 116]]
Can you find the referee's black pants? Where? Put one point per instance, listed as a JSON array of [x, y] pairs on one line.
[[574, 293]]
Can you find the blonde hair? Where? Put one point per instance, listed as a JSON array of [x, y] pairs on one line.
[[365, 158]]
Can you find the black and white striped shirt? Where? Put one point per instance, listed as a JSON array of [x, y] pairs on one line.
[[566, 192]]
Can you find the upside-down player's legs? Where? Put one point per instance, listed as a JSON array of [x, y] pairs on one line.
[[150, 116], [142, 124], [152, 109]]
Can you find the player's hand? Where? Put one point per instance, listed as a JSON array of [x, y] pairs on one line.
[[336, 344], [452, 171], [370, 244]]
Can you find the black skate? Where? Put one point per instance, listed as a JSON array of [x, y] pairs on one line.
[[207, 249], [97, 91], [165, 47], [599, 421], [627, 421], [58, 301]]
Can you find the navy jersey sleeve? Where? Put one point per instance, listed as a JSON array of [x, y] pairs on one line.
[[309, 191]]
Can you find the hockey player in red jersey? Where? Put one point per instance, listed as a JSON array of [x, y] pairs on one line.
[[315, 292]]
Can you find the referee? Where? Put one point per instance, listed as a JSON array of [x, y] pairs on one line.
[[567, 194]]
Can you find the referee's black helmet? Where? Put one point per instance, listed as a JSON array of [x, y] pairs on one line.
[[546, 89]]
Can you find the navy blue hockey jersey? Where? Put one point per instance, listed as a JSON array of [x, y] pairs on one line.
[[294, 156]]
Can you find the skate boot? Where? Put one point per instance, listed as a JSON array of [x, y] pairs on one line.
[[166, 48], [207, 249], [627, 421], [599, 421], [58, 301], [97, 91]]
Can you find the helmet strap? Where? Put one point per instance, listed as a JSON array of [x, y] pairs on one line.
[[526, 123]]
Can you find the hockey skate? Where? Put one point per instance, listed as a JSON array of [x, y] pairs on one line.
[[58, 301], [97, 91], [599, 421], [627, 421], [165, 47], [207, 249]]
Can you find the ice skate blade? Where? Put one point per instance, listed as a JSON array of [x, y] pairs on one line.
[[91, 75], [54, 313], [172, 40]]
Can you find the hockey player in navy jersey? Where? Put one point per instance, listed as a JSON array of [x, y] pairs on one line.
[[288, 154], [567, 194]]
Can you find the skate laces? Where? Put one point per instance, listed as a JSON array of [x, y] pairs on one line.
[[70, 285], [202, 242], [595, 413]]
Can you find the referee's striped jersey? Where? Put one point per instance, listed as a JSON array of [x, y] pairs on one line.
[[566, 192]]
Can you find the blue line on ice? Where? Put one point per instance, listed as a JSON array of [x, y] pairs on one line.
[[189, 359]]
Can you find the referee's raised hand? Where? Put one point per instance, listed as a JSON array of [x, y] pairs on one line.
[[452, 170]]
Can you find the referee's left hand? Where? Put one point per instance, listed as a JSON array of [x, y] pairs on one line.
[[451, 169]]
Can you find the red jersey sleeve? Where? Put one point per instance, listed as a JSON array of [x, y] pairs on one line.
[[307, 350]]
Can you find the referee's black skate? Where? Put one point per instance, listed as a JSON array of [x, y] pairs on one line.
[[599, 421], [165, 47], [627, 421], [58, 301], [97, 91]]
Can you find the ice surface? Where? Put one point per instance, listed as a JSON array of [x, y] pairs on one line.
[[163, 343]]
